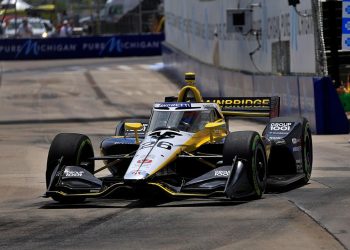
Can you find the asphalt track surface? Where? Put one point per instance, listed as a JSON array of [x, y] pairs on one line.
[[40, 99]]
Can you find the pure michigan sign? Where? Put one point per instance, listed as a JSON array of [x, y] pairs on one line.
[[81, 47]]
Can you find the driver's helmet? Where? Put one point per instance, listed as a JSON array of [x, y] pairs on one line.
[[189, 117]]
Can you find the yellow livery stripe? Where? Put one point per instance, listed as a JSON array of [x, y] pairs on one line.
[[246, 114]]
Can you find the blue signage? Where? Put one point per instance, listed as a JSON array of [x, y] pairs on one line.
[[81, 47], [346, 25]]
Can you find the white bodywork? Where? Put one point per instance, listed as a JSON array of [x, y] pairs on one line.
[[161, 146], [153, 154]]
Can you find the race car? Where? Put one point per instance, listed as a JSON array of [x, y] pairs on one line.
[[186, 149]]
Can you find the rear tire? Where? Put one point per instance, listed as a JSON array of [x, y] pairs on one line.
[[249, 146], [75, 149]]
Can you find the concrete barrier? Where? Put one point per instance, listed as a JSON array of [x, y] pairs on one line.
[[313, 98]]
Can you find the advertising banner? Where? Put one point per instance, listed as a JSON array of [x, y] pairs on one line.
[[346, 25], [81, 47]]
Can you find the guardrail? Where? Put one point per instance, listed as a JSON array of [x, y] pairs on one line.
[[81, 47], [311, 97]]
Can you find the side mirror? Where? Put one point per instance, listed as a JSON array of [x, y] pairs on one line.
[[134, 126], [211, 126]]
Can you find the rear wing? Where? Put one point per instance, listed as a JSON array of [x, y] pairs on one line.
[[242, 106], [230, 106]]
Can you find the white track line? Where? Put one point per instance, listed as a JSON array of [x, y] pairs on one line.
[[145, 66], [103, 69], [124, 67]]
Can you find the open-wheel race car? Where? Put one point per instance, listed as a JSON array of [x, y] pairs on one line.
[[185, 149]]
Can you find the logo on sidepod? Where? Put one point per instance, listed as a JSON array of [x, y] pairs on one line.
[[69, 173], [222, 173], [280, 126]]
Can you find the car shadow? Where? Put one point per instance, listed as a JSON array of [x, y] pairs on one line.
[[142, 203], [284, 189]]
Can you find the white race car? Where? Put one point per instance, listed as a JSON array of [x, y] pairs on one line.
[[186, 150]]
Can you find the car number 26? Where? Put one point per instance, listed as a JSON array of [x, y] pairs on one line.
[[161, 144]]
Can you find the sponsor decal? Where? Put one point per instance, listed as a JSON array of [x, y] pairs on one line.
[[297, 149], [113, 44], [145, 161], [175, 105], [277, 133], [280, 142], [299, 164], [242, 102], [35, 48], [295, 140], [281, 126], [208, 106], [222, 173], [274, 137], [69, 173], [81, 47]]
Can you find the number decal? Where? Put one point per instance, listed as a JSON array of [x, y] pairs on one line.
[[161, 144], [165, 145]]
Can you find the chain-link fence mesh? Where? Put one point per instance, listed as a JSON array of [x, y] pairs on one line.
[[99, 17]]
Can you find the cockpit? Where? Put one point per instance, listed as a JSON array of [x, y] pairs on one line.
[[184, 120]]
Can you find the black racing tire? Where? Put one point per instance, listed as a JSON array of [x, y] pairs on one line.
[[307, 151], [249, 146], [75, 149]]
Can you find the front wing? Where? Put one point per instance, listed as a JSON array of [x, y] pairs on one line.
[[74, 181]]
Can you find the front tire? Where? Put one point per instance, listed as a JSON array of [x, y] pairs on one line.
[[75, 149], [249, 146]]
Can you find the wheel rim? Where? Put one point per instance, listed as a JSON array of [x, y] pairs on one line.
[[84, 153], [260, 167]]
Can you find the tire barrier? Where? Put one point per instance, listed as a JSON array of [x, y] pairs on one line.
[[313, 98], [81, 47]]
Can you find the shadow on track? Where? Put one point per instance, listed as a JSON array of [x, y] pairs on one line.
[[143, 203], [285, 189]]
